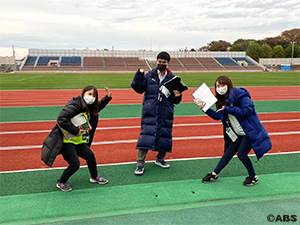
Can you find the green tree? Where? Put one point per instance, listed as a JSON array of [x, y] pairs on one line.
[[234, 48], [218, 45], [278, 52], [288, 51], [254, 51], [266, 51], [242, 44]]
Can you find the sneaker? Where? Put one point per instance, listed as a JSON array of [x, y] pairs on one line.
[[63, 186], [99, 180], [251, 181], [162, 164], [210, 177], [139, 170]]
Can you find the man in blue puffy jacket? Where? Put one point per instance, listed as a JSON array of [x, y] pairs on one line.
[[157, 113]]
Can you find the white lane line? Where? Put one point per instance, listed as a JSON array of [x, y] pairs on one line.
[[135, 140], [136, 127]]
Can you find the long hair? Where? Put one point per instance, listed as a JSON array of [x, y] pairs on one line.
[[93, 108], [222, 98]]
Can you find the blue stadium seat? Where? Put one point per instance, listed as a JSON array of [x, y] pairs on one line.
[[44, 60], [226, 61], [70, 61], [244, 59], [30, 61]]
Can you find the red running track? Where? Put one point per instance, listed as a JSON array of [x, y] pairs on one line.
[[112, 130], [127, 96]]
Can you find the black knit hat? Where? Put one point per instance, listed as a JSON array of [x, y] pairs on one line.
[[164, 55]]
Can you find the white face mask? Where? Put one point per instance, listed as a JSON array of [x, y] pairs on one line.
[[222, 90], [89, 99]]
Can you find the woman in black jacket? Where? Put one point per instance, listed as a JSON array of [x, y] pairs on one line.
[[79, 146]]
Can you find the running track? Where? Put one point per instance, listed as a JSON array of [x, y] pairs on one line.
[[127, 96], [115, 139]]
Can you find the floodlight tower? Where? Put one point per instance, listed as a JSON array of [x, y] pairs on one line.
[[292, 42]]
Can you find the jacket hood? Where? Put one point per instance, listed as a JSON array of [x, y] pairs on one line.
[[239, 92]]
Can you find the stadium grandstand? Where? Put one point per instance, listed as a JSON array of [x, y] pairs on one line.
[[128, 61], [281, 64], [7, 64]]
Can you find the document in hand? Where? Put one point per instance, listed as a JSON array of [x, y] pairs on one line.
[[174, 84], [81, 120], [204, 94], [78, 120]]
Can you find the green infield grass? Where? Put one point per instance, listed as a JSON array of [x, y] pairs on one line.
[[39, 81]]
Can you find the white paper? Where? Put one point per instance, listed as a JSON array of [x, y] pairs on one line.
[[204, 94], [78, 120]]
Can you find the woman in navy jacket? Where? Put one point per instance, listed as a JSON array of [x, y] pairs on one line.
[[242, 128], [157, 113]]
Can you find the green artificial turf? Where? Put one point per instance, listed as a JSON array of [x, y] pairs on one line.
[[40, 81], [46, 113]]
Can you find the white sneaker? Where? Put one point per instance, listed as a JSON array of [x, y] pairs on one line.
[[162, 164]]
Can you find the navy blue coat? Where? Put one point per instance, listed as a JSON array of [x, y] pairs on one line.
[[243, 109], [157, 116]]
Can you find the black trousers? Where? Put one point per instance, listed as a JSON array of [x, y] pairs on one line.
[[70, 153], [242, 147]]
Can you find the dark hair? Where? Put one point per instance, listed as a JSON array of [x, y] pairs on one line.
[[222, 98], [164, 55], [93, 108]]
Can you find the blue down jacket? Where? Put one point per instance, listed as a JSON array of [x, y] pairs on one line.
[[243, 109], [157, 116]]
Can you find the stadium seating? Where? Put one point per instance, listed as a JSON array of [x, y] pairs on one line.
[[225, 61], [114, 64], [210, 64], [44, 63], [243, 59], [229, 63], [93, 64], [29, 63], [249, 65], [132, 63], [176, 65], [191, 64], [72, 63]]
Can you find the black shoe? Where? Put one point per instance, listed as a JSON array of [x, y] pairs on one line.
[[250, 181], [210, 177]]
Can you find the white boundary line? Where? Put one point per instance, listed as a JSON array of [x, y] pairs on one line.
[[150, 161], [136, 127], [128, 118], [9, 148]]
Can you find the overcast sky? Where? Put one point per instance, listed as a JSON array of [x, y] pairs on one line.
[[139, 24]]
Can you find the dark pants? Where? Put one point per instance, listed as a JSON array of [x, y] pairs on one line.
[[242, 147], [70, 153]]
